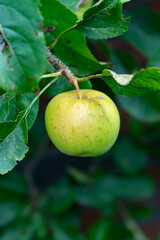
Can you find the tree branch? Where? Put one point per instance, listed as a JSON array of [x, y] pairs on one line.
[[61, 67]]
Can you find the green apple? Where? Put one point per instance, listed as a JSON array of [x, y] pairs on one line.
[[82, 127]]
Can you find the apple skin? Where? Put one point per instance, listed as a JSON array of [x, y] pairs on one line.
[[82, 127]]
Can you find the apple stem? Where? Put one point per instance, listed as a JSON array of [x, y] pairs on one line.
[[61, 67], [77, 88]]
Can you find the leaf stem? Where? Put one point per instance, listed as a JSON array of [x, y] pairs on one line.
[[57, 39], [51, 75], [89, 77]]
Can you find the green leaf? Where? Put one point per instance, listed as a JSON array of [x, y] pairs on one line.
[[137, 187], [19, 232], [144, 33], [82, 7], [9, 212], [60, 233], [106, 189], [60, 197], [96, 198], [77, 55], [128, 157], [71, 4], [13, 147], [15, 184], [103, 20], [143, 82], [14, 131], [24, 58], [99, 231], [57, 15], [11, 105], [141, 108], [7, 107], [39, 225], [67, 227]]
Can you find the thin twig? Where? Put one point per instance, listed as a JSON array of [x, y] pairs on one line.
[[131, 224]]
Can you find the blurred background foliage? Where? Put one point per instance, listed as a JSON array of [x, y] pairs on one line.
[[112, 197]]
